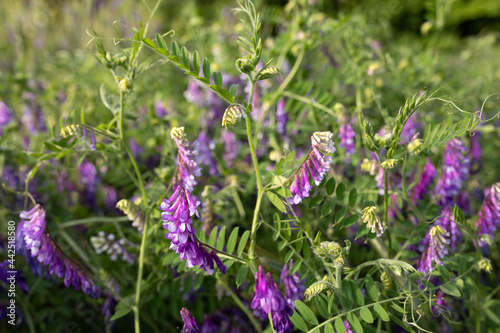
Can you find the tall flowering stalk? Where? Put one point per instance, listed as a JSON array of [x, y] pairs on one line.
[[488, 218], [42, 246], [187, 160], [270, 301], [446, 221], [455, 172], [316, 165], [176, 216]]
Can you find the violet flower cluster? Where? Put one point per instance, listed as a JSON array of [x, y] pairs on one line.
[[43, 247], [346, 136], [426, 178], [316, 165], [489, 215], [436, 249], [269, 299], [294, 289], [176, 216], [187, 161], [455, 172]]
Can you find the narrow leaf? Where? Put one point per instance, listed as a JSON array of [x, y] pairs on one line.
[[276, 201], [221, 239], [298, 322], [339, 325], [206, 68], [381, 313], [366, 315], [243, 242], [330, 186], [241, 275], [306, 312], [231, 242]]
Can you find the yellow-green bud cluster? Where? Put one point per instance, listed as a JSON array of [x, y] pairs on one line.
[[267, 73], [233, 114], [133, 213], [414, 145], [317, 287], [72, 130], [334, 251], [125, 85], [177, 133], [485, 265], [372, 220], [389, 164], [369, 166]]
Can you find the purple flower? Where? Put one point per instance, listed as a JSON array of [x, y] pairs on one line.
[[176, 216], [5, 116], [294, 289], [426, 178], [206, 155], [316, 165], [190, 324], [347, 135], [455, 172], [281, 118], [269, 299], [436, 249], [135, 148], [347, 327], [88, 176], [187, 160], [43, 247], [160, 109], [489, 215]]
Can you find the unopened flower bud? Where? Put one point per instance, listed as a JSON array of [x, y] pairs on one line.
[[485, 265], [244, 65], [369, 166], [372, 220], [389, 164], [414, 145], [177, 132], [125, 85], [233, 114]]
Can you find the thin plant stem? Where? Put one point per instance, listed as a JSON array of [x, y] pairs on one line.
[[386, 208], [93, 220], [260, 189], [145, 231]]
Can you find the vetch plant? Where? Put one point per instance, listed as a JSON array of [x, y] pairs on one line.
[[225, 170]]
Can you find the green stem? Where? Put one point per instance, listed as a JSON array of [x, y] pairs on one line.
[[242, 306], [478, 304], [338, 276], [386, 208], [260, 188], [145, 231]]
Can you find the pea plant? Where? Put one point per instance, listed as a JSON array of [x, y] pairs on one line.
[[283, 197]]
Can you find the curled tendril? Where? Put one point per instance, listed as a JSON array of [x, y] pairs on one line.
[[91, 32], [171, 33]]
